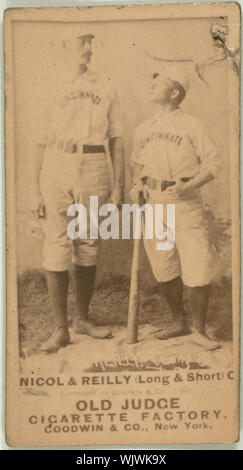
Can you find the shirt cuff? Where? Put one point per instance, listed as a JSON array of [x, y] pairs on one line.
[[115, 132], [42, 139], [212, 167]]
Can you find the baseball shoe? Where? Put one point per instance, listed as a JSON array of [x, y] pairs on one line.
[[173, 331], [86, 328], [203, 340], [59, 339]]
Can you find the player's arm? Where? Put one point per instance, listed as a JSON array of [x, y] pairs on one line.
[[114, 134], [117, 157], [38, 150], [206, 152], [185, 190], [208, 155], [139, 191], [204, 177], [37, 204]]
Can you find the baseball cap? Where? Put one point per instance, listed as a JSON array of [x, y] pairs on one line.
[[85, 35], [174, 72], [82, 33]]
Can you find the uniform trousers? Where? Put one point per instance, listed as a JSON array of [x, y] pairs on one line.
[[65, 179], [192, 257]]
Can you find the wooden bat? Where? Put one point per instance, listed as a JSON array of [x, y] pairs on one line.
[[133, 309]]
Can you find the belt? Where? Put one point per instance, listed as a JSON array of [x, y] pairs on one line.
[[161, 185], [93, 149], [70, 147]]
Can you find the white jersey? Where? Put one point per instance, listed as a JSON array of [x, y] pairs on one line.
[[86, 111], [173, 145]]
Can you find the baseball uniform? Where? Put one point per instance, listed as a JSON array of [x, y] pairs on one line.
[[169, 147], [76, 164]]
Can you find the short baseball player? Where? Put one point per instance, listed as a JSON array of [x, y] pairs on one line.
[[75, 154], [173, 157]]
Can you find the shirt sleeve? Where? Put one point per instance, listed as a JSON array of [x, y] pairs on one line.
[[135, 159], [114, 117], [42, 126], [205, 148]]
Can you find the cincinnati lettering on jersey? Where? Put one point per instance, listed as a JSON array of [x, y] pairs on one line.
[[175, 139], [83, 94]]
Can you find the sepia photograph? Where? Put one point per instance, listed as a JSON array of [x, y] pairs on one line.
[[122, 192]]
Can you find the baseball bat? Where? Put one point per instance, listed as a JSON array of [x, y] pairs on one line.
[[133, 308]]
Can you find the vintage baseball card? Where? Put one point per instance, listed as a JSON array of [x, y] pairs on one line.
[[123, 215]]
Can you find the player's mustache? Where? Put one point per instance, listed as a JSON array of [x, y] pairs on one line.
[[87, 54]]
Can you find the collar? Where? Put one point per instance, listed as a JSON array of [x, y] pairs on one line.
[[88, 75], [161, 115]]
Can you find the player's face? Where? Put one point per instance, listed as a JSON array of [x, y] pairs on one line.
[[160, 89], [82, 50]]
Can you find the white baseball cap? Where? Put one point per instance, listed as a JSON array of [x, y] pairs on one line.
[[85, 35], [82, 33], [173, 72]]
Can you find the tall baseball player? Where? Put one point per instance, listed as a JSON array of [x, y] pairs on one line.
[[173, 157], [74, 157]]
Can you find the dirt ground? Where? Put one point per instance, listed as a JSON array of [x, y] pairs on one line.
[[109, 306]]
